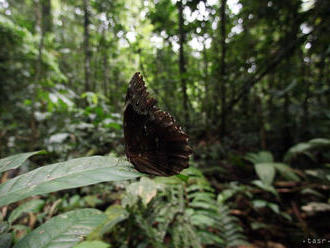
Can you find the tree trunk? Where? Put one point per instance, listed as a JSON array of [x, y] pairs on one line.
[[43, 20], [286, 133], [105, 75], [271, 87], [305, 105], [86, 46], [206, 99], [39, 29], [44, 25], [245, 110], [182, 62], [320, 79], [47, 20], [223, 67], [262, 131]]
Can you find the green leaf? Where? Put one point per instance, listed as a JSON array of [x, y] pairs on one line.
[[32, 206], [63, 231], [315, 207], [4, 226], [15, 161], [286, 216], [200, 220], [320, 142], [203, 205], [202, 196], [259, 225], [296, 150], [265, 187], [209, 238], [91, 97], [312, 192], [66, 175], [260, 157], [92, 244], [92, 200], [183, 177], [266, 172], [286, 171], [115, 214], [274, 207], [304, 147], [115, 126], [259, 203], [5, 240]]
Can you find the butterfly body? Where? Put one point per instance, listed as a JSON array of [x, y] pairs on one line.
[[154, 143]]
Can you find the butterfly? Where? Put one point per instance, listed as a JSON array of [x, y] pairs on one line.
[[154, 143]]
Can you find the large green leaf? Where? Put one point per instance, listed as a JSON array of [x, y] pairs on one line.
[[266, 172], [259, 157], [15, 161], [65, 175], [63, 231]]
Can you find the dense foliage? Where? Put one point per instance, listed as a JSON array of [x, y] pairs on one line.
[[247, 79]]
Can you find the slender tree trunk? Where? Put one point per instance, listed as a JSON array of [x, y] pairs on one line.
[[287, 139], [223, 67], [246, 104], [287, 123], [37, 76], [320, 79], [206, 86], [86, 46], [43, 25], [270, 104], [262, 131], [105, 75], [41, 31], [305, 121], [182, 62], [96, 59], [327, 82], [206, 71], [305, 105]]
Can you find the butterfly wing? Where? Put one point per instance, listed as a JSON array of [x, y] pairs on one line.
[[155, 144]]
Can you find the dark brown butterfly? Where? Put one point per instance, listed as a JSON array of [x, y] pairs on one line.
[[154, 143]]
